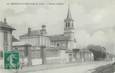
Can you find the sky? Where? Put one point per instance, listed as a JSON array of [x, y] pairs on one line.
[[94, 20]]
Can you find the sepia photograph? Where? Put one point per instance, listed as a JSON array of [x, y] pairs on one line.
[[57, 36]]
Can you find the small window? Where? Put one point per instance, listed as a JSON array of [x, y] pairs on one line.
[[58, 44]]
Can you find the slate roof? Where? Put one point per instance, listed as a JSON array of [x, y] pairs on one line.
[[4, 25], [32, 33], [59, 38]]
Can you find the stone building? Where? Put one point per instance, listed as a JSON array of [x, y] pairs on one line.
[[60, 47], [67, 39], [64, 41], [6, 37], [56, 45]]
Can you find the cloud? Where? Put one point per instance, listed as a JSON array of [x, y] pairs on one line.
[[100, 37]]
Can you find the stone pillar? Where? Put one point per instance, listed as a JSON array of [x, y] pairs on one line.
[[10, 40], [70, 55], [63, 56], [1, 40], [29, 57], [43, 54]]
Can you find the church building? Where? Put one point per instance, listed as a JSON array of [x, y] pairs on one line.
[[67, 39], [61, 46]]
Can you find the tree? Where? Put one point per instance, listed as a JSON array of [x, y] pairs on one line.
[[98, 51]]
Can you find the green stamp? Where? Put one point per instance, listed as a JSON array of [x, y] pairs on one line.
[[11, 60]]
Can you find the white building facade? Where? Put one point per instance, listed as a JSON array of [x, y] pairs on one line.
[[5, 35]]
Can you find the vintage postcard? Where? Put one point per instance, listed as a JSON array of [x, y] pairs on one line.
[[57, 36]]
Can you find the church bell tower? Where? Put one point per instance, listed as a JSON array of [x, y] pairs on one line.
[[69, 25], [69, 30]]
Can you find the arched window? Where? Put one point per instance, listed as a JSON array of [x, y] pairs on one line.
[[68, 24]]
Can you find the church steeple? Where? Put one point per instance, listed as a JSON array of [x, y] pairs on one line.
[[69, 22], [69, 29], [69, 14]]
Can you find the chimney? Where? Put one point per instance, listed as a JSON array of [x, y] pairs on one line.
[[43, 30], [44, 27], [29, 31], [5, 21]]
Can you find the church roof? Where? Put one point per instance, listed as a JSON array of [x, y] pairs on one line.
[[59, 38], [35, 32], [69, 17], [32, 33]]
